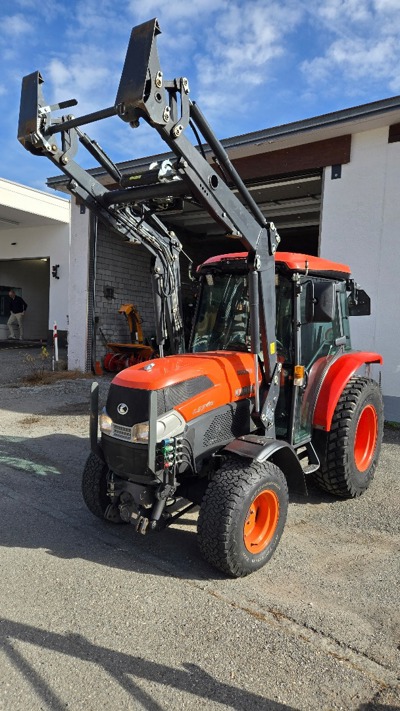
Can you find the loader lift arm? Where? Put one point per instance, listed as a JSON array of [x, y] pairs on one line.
[[137, 224], [165, 105]]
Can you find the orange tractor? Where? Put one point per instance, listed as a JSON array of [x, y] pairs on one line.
[[270, 390]]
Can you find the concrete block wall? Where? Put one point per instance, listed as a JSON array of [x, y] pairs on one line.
[[125, 268]]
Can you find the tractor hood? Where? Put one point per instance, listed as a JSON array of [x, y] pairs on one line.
[[199, 383]]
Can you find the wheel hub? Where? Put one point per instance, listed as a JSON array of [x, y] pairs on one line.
[[365, 438], [261, 521]]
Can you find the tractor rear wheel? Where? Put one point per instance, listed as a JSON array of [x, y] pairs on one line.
[[349, 452], [94, 485], [242, 516]]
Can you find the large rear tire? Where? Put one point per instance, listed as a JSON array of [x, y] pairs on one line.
[[94, 485], [242, 516], [349, 452]]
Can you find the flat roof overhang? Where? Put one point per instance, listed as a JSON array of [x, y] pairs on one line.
[[366, 117], [21, 207]]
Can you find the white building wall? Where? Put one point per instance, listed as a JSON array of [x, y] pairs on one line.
[[51, 241], [41, 230], [78, 289], [360, 227]]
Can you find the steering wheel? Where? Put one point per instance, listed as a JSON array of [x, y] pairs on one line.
[[282, 350]]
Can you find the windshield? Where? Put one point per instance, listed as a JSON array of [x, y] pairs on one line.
[[223, 316]]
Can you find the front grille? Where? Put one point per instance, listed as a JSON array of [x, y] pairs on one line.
[[127, 460], [121, 432]]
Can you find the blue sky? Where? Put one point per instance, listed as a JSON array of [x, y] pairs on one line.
[[251, 64]]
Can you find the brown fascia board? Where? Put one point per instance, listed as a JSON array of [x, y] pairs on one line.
[[295, 159], [259, 142]]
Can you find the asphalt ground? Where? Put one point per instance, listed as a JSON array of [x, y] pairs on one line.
[[94, 616]]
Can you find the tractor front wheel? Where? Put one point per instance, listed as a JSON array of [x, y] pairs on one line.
[[94, 485], [242, 516], [349, 452]]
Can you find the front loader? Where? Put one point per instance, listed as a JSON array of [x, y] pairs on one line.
[[270, 390]]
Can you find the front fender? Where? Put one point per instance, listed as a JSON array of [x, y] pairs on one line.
[[335, 381], [262, 449]]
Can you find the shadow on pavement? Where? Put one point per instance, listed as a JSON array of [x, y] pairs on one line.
[[124, 669], [40, 484]]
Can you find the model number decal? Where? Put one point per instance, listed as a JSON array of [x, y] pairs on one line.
[[201, 408]]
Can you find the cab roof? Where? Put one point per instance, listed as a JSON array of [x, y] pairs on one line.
[[292, 261]]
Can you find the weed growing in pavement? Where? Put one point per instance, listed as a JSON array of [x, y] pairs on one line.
[[41, 373], [38, 366], [53, 376]]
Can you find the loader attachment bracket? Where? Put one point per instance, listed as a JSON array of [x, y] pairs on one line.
[[140, 90], [34, 116]]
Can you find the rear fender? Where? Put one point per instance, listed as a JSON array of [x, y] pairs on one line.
[[334, 383], [262, 449]]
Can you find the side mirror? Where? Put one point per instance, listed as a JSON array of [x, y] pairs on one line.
[[320, 301], [361, 305]]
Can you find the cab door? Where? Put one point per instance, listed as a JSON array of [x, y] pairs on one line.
[[321, 335]]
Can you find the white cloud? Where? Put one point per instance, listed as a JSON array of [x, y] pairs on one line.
[[355, 59], [180, 11], [14, 26], [83, 76], [338, 10], [363, 47], [386, 5], [240, 50]]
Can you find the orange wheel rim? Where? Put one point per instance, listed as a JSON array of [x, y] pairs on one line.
[[261, 521], [365, 439]]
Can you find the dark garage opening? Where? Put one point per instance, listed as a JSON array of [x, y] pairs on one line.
[[31, 279]]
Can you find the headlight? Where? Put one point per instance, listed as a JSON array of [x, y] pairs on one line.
[[105, 423], [171, 424], [140, 432]]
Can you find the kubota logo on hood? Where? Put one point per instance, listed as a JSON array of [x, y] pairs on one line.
[[122, 408]]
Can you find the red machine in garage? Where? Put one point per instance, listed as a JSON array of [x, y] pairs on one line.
[[123, 355]]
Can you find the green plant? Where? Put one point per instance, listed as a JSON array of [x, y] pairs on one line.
[[38, 365]]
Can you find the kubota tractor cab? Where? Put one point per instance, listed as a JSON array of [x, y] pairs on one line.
[[270, 390]]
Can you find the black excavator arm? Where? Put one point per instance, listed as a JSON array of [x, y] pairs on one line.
[[143, 93]]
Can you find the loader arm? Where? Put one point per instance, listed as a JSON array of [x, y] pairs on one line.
[[138, 225], [143, 93]]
